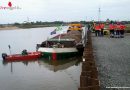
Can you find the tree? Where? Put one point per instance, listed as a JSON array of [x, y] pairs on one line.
[[16, 24]]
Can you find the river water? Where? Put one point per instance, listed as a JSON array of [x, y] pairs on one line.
[[37, 74]]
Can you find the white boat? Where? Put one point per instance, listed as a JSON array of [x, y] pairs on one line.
[[54, 49]]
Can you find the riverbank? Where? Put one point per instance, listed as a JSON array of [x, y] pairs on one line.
[[9, 28], [22, 27]]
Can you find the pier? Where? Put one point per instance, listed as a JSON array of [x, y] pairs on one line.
[[112, 57], [89, 74], [106, 63]]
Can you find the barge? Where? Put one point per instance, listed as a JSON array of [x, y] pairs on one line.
[[64, 45]]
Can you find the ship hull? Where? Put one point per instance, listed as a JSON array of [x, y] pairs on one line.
[[58, 53]]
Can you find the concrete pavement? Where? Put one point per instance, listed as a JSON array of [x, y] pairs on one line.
[[112, 56]]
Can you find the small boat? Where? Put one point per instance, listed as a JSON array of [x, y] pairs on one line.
[[29, 56]]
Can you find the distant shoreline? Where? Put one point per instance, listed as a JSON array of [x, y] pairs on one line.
[[12, 27], [20, 27], [9, 28]]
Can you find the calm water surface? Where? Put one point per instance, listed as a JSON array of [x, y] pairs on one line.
[[39, 74]]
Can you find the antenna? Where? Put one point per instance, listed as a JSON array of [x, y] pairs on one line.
[[28, 19], [99, 13]]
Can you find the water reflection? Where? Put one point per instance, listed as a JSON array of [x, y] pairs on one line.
[[25, 62], [43, 73], [59, 64], [53, 65]]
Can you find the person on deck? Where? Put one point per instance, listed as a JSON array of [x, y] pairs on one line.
[[112, 29], [24, 52], [122, 30], [117, 30], [97, 29], [102, 28]]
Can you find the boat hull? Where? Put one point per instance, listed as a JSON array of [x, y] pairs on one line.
[[58, 53], [30, 56]]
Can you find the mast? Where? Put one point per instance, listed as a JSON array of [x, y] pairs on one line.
[[28, 19], [99, 14]]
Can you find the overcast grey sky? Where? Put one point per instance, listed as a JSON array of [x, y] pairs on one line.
[[64, 10]]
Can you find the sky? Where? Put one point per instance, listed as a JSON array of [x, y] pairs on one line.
[[64, 10]]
